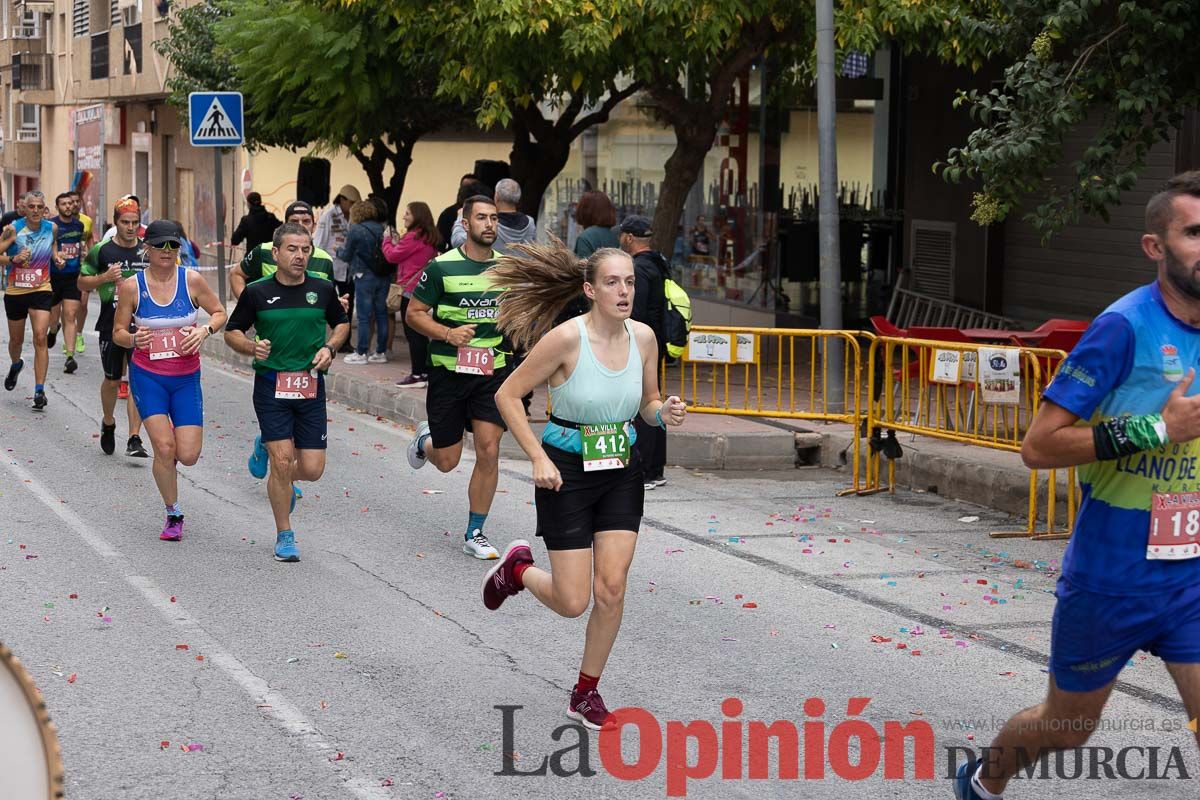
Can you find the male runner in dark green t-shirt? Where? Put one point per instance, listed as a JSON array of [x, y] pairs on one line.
[[455, 306], [103, 269], [289, 311]]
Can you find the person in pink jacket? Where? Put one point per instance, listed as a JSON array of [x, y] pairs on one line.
[[410, 253]]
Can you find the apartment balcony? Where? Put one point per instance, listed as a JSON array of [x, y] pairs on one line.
[[33, 77]]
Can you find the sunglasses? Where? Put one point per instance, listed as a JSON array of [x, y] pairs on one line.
[[165, 246]]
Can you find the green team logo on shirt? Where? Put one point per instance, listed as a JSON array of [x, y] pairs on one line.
[[311, 297]]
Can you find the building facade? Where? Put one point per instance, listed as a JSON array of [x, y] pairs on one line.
[[83, 103]]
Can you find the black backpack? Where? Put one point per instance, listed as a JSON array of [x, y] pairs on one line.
[[380, 265]]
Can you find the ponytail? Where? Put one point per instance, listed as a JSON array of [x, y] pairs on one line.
[[539, 282]]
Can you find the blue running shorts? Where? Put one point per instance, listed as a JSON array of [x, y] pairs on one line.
[[1094, 635], [177, 396]]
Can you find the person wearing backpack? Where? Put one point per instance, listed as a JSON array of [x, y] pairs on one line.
[[651, 273], [363, 254]]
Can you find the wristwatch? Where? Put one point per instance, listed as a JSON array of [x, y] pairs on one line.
[[210, 330]]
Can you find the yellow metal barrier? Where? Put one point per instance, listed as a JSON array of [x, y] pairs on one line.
[[782, 373], [937, 389]]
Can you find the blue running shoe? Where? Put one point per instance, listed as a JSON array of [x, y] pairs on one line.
[[285, 547], [258, 459], [296, 495], [962, 781]]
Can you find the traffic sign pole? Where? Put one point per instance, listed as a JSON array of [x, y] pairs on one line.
[[217, 121], [220, 225]]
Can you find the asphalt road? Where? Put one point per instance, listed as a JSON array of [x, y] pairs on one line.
[[371, 670]]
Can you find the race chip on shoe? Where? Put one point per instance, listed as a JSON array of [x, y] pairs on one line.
[[165, 343], [475, 361], [296, 385], [604, 446], [1174, 526], [29, 277]]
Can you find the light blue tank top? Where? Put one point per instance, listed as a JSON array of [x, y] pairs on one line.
[[593, 394]]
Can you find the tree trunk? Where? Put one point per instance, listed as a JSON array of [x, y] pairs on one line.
[[535, 165], [374, 164], [692, 143]]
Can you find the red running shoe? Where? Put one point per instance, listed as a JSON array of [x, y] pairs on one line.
[[588, 708], [499, 583]]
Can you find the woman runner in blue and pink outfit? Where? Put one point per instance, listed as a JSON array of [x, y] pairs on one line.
[[164, 372]]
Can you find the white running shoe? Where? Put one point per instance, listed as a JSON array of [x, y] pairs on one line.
[[354, 358], [377, 358], [480, 547], [649, 486], [416, 459]]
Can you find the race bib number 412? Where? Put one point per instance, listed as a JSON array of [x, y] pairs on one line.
[[604, 446], [1174, 526]]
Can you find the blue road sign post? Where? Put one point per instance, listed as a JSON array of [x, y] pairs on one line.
[[216, 121]]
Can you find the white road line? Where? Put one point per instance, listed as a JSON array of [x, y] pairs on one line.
[[270, 702]]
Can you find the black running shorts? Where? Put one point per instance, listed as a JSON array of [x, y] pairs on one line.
[[454, 399], [302, 421], [588, 502], [64, 286], [113, 359], [18, 306]]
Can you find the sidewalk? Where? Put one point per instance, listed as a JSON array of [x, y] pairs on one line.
[[991, 478]]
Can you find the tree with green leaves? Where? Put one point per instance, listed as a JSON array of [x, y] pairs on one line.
[[1125, 65], [349, 80], [540, 67]]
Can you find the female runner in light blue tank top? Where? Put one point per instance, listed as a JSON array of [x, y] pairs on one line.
[[602, 372]]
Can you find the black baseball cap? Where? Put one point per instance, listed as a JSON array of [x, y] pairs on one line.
[[298, 206], [161, 231], [637, 225]]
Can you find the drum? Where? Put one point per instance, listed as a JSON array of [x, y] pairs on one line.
[[30, 759]]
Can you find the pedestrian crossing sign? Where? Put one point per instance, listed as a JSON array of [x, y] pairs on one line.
[[216, 119]]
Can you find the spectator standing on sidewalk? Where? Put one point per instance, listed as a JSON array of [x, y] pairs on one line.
[[446, 220], [257, 225], [595, 214], [651, 271], [363, 253], [410, 253], [515, 227], [331, 237]]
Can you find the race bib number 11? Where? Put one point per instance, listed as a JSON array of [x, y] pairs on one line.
[[1174, 526], [604, 446], [295, 385], [165, 343]]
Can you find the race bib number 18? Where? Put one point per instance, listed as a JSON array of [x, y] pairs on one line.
[[295, 385], [165, 343], [1174, 526], [604, 446], [475, 361]]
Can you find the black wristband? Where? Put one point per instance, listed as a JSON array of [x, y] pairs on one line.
[[1111, 440]]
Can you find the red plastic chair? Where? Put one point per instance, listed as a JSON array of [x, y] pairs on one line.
[[1051, 325], [1058, 339], [885, 328]]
